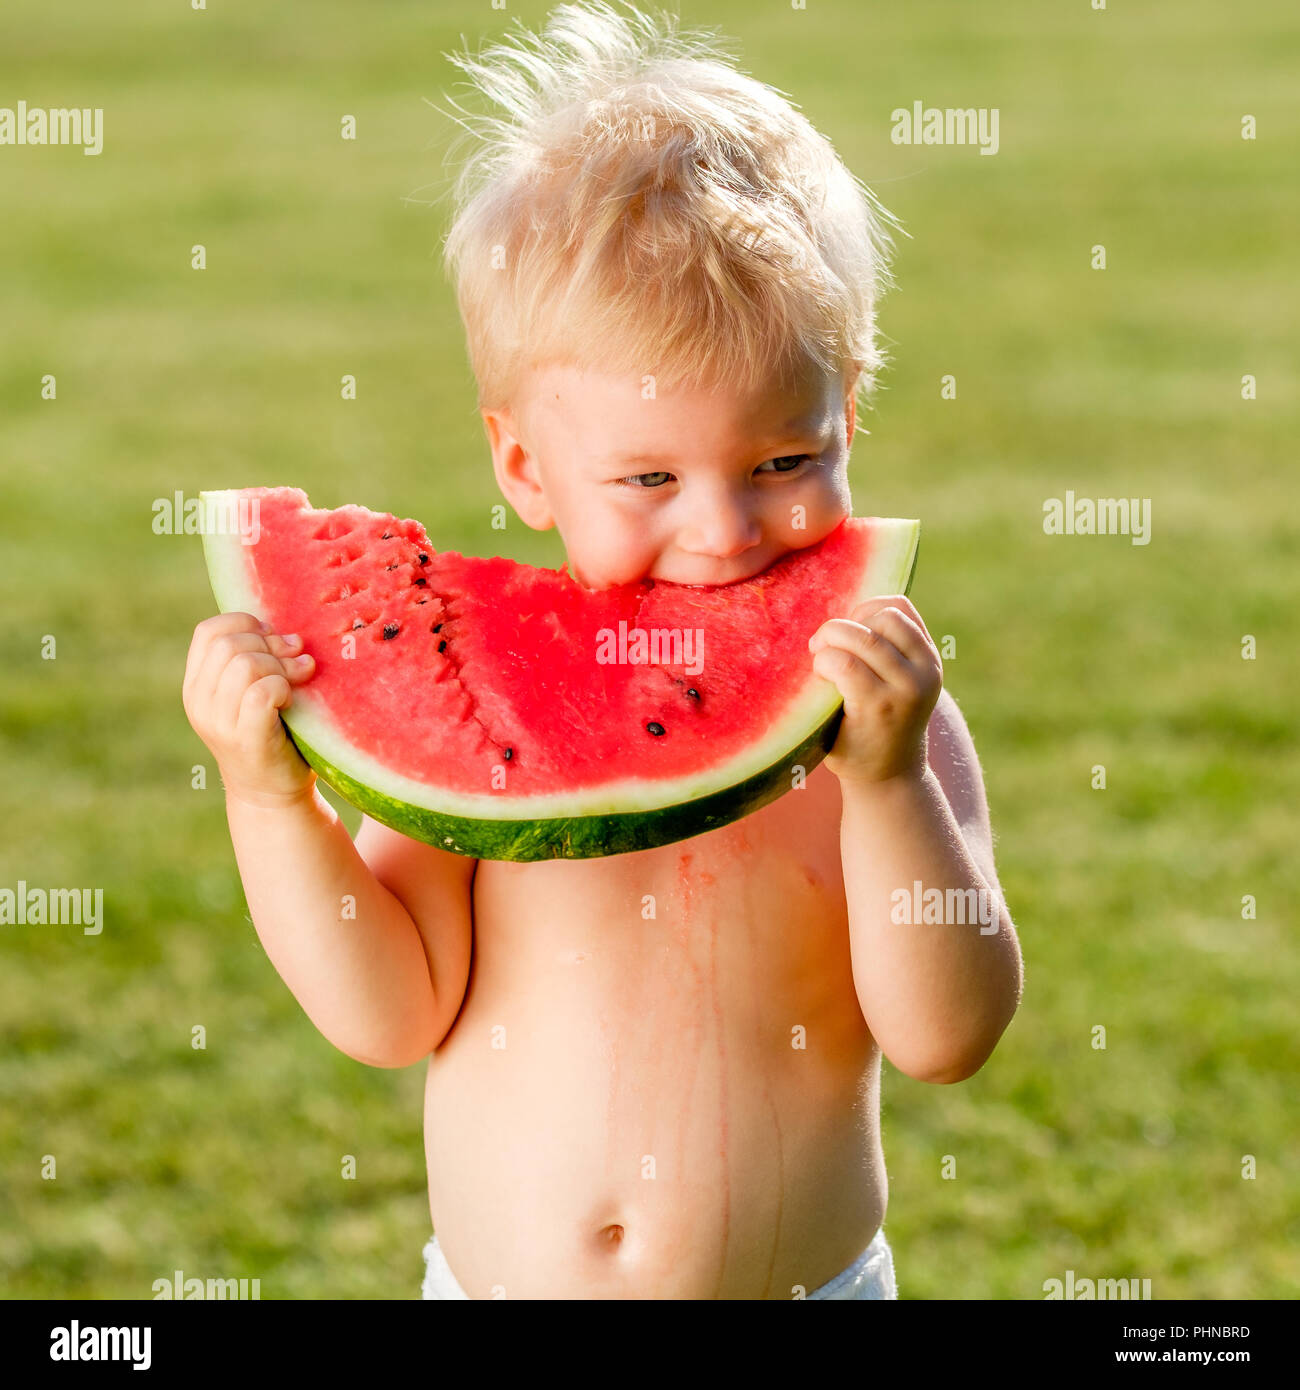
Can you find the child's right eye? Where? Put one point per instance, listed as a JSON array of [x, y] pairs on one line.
[[645, 480]]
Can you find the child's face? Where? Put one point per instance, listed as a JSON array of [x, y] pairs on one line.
[[733, 485]]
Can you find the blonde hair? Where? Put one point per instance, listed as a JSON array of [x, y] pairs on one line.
[[642, 206]]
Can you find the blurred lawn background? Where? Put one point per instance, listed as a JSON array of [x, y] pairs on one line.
[[1119, 127]]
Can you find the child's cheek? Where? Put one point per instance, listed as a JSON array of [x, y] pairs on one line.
[[607, 552]]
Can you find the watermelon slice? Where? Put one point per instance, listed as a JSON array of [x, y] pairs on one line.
[[506, 712]]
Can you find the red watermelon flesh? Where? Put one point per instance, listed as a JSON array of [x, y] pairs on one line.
[[499, 685]]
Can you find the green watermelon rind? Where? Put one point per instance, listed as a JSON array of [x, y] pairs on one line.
[[581, 837], [577, 823]]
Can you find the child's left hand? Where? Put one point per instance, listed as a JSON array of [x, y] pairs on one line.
[[886, 666]]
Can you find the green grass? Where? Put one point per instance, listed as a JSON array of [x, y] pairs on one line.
[[222, 128]]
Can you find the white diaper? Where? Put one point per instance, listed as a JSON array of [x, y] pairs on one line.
[[439, 1281], [871, 1275]]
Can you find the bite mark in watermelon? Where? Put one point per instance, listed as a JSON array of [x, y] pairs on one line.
[[473, 704]]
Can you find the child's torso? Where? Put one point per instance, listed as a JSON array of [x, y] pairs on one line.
[[660, 1083]]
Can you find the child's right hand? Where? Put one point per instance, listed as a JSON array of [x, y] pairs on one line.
[[238, 677]]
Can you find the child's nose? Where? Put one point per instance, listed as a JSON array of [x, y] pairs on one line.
[[721, 533]]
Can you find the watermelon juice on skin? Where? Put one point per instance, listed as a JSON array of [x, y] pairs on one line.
[[651, 1073]]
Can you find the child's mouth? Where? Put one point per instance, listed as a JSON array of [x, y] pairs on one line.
[[721, 583]]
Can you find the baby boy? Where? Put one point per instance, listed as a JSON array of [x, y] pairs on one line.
[[668, 283]]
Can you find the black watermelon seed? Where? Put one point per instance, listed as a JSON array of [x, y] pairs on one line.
[[390, 567], [387, 536], [390, 630], [357, 624], [422, 582], [509, 753], [421, 600], [655, 729], [442, 646], [437, 627], [424, 559], [694, 694]]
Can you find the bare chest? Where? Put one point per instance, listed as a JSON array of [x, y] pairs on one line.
[[752, 914]]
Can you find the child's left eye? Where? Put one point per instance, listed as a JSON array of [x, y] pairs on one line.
[[790, 462]]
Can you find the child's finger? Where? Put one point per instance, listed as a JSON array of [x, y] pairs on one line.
[[912, 631], [243, 669], [225, 648], [221, 651], [259, 706], [867, 644], [205, 633], [284, 646], [299, 667], [857, 683], [907, 636]]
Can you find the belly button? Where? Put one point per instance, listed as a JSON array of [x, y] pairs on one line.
[[612, 1236]]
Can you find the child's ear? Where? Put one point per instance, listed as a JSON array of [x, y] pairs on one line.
[[851, 411], [516, 471]]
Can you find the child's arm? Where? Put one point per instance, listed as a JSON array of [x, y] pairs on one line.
[[937, 996], [344, 942], [380, 988]]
